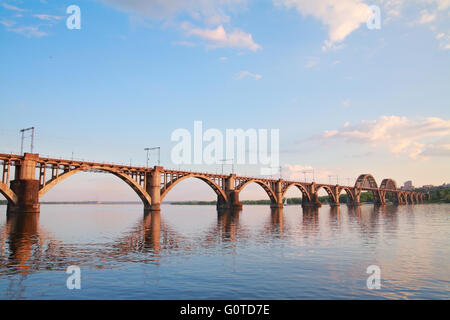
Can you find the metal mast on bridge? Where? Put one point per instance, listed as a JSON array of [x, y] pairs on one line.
[[23, 138]]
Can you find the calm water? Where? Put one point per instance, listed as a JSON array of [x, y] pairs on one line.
[[192, 252]]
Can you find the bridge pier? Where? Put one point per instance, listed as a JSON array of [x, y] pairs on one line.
[[278, 203], [153, 188], [334, 199], [25, 186], [313, 203], [232, 203]]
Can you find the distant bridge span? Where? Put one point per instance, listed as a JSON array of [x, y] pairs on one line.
[[34, 176]]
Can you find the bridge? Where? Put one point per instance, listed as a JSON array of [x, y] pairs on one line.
[[34, 176]]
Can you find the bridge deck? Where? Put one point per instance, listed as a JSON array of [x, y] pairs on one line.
[[71, 164]]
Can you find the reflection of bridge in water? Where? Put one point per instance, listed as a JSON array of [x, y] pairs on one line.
[[34, 176], [26, 248]]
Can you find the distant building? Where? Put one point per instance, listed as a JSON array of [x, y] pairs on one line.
[[408, 185], [428, 186]]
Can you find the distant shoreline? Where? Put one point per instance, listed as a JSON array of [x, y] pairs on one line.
[[82, 202], [191, 203], [438, 195]]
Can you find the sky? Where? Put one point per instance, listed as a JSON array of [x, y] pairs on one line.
[[347, 98]]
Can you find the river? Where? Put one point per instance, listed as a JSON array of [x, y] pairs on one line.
[[194, 252]]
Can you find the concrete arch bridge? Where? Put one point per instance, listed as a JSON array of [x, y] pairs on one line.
[[34, 176]]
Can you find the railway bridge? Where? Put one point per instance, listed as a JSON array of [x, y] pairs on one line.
[[25, 179]]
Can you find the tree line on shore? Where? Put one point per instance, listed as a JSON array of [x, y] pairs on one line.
[[437, 195]]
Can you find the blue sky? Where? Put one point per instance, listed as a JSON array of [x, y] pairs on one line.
[[346, 99]]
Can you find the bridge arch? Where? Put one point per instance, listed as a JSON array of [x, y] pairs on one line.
[[388, 184], [264, 185], [386, 187], [302, 189], [8, 193], [422, 197], [410, 198], [403, 198], [143, 195], [331, 196], [366, 180], [413, 197], [217, 189], [348, 191]]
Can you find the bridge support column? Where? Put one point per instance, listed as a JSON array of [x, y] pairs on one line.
[[395, 198], [232, 202], [355, 196], [25, 186], [279, 196], [379, 198], [334, 202], [153, 188], [314, 201]]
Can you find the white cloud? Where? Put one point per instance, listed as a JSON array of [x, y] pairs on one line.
[[13, 8], [47, 17], [7, 23], [444, 40], [311, 63], [245, 74], [400, 134], [29, 31], [393, 9], [436, 150], [219, 38], [441, 4], [432, 14], [426, 17], [298, 172], [295, 172], [346, 103], [330, 45], [342, 17], [212, 12], [183, 43]]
